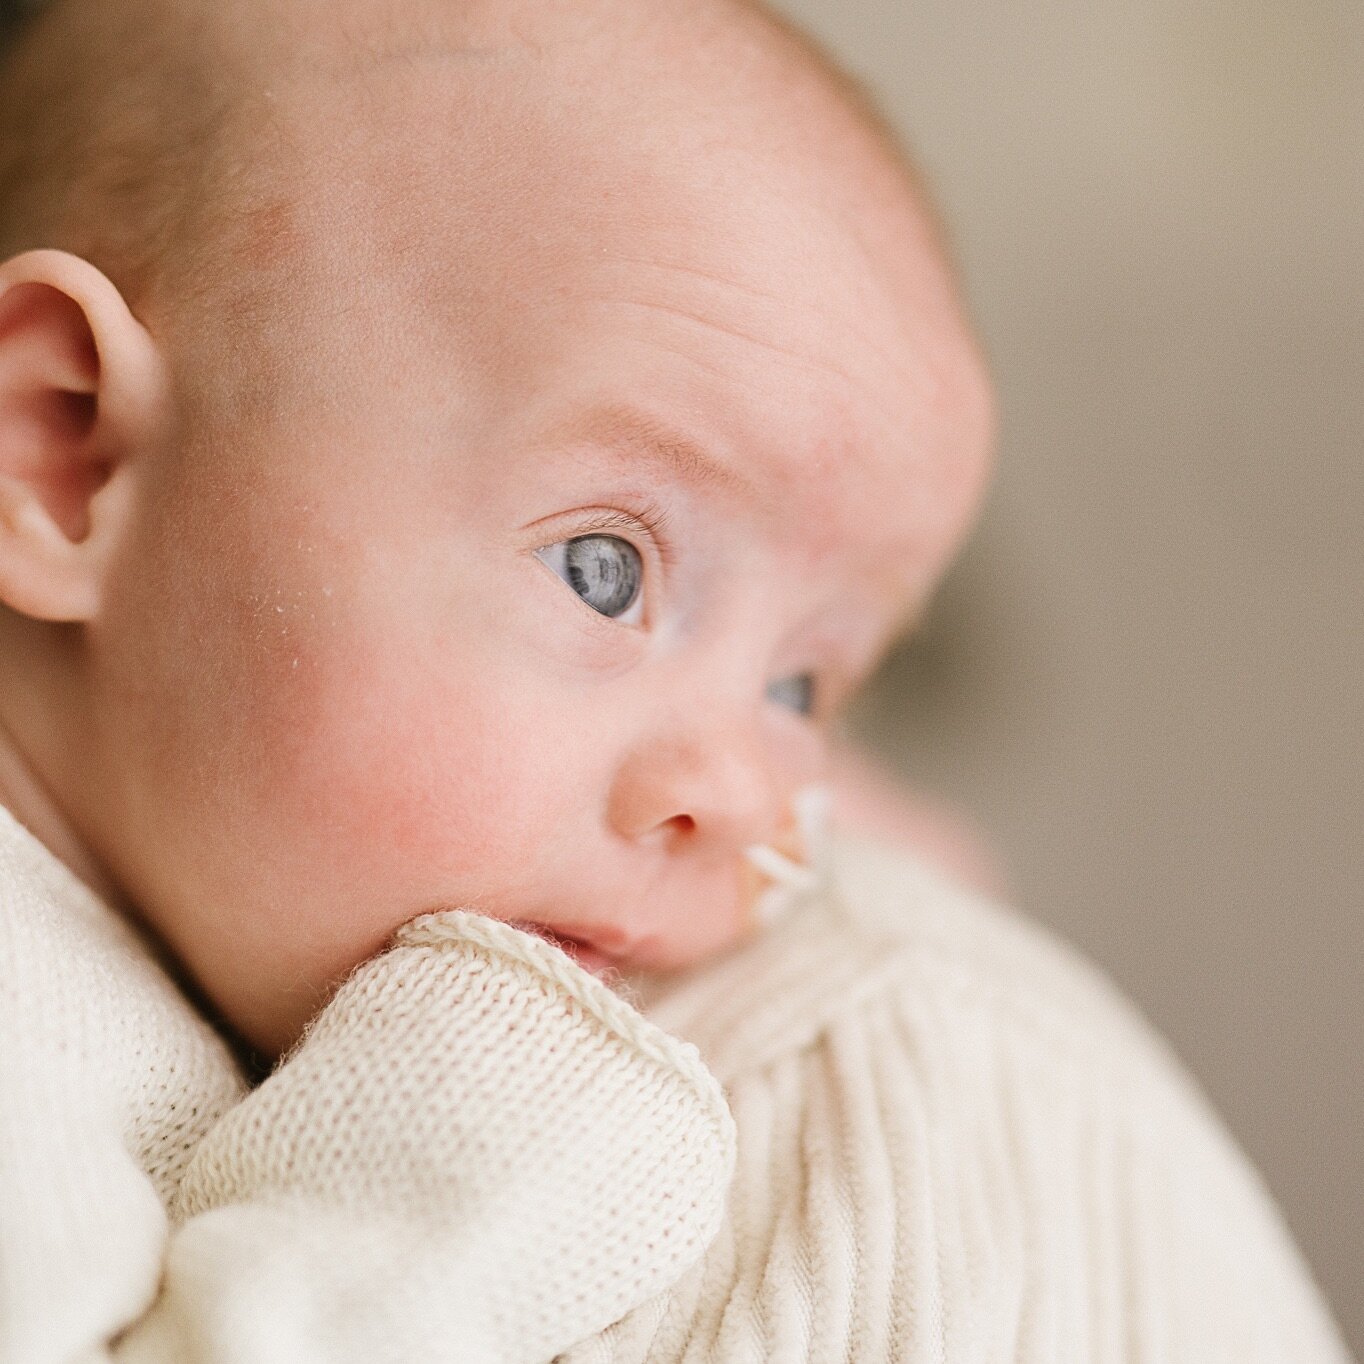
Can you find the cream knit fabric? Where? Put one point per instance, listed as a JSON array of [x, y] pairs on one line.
[[955, 1142]]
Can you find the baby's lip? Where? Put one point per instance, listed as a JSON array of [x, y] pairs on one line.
[[591, 959], [582, 943]]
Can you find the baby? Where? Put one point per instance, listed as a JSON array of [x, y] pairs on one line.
[[457, 461]]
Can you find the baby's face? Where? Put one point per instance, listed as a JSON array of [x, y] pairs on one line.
[[521, 553]]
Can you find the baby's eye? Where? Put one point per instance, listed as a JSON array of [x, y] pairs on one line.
[[604, 570], [797, 691]]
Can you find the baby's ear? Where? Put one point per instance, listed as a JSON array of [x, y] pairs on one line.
[[82, 390]]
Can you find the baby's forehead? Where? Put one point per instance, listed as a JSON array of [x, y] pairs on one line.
[[580, 200], [757, 308], [661, 111], [497, 201]]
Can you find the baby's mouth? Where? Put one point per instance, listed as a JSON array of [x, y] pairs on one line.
[[590, 957], [774, 875]]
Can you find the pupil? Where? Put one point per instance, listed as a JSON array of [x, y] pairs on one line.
[[604, 571], [798, 692]]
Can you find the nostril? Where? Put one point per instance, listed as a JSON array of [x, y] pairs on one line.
[[673, 834]]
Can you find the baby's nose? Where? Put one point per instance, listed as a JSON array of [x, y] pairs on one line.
[[719, 791]]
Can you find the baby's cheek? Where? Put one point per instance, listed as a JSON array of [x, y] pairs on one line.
[[423, 784]]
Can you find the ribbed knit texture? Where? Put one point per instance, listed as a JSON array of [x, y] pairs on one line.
[[955, 1142]]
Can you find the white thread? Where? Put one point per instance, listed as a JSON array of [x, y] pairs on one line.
[[811, 808]]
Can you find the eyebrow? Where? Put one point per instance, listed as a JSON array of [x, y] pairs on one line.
[[635, 434], [639, 436]]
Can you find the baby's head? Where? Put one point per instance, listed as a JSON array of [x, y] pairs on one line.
[[452, 453]]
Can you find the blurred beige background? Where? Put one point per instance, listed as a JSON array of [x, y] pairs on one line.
[[1144, 679]]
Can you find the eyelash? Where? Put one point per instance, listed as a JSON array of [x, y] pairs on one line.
[[648, 516]]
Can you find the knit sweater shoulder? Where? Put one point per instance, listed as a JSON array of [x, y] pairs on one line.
[[905, 1124]]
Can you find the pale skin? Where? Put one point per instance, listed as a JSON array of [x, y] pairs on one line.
[[278, 684]]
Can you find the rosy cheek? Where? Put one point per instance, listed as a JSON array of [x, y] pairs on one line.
[[405, 727], [426, 777]]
